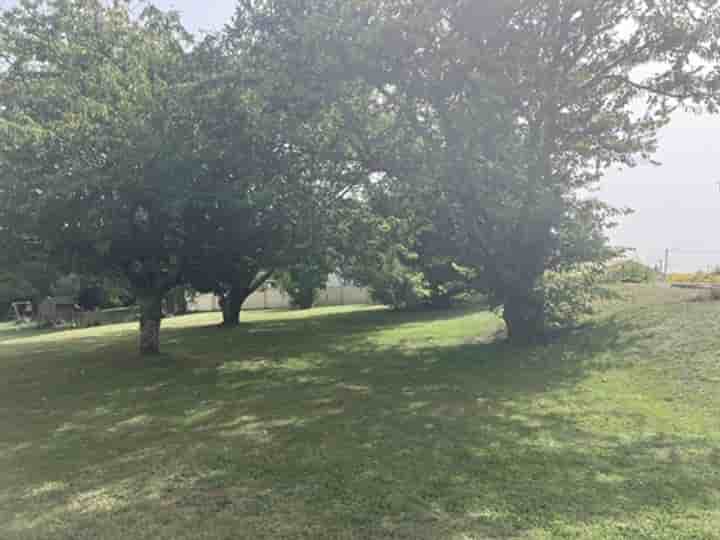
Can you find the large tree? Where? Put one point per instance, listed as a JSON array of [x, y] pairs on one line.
[[285, 135], [237, 225], [521, 107], [98, 141], [593, 83], [272, 168]]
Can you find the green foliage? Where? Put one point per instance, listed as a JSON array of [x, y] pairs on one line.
[[571, 296], [394, 284], [92, 297], [372, 250], [26, 272], [101, 145], [278, 155], [13, 288], [376, 256], [630, 272], [92, 292], [465, 137], [304, 280], [518, 107], [68, 286], [117, 292], [400, 242]]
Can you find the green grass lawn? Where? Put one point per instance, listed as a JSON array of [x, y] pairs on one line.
[[363, 423]]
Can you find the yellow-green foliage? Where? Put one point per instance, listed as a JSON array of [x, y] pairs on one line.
[[697, 277]]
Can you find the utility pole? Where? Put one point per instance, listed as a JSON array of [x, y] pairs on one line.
[[667, 262]]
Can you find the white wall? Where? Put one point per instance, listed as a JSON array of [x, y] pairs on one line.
[[276, 299]]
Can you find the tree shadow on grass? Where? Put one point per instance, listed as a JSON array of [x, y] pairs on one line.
[[348, 438]]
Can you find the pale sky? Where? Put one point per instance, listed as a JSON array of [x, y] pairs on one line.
[[201, 16], [676, 204]]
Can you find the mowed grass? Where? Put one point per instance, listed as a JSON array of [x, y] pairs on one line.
[[363, 423]]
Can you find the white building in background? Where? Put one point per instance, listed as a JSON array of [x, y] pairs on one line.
[[336, 293]]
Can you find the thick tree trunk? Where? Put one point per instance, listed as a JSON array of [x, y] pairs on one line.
[[525, 320], [150, 318], [232, 301], [231, 304]]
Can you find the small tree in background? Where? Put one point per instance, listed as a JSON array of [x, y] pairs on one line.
[[304, 280], [400, 243]]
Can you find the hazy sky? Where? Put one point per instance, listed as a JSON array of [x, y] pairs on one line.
[[201, 15], [676, 204]]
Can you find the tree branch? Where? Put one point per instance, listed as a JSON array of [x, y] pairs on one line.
[[259, 280]]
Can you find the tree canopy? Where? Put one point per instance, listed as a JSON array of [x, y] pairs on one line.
[[521, 106], [99, 152], [460, 141]]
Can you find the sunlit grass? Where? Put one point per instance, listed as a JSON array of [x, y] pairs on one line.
[[364, 423]]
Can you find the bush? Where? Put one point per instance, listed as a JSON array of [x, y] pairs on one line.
[[570, 296], [630, 272], [13, 288], [304, 281], [302, 295], [401, 289], [92, 292], [390, 281], [68, 286], [92, 297], [697, 277]]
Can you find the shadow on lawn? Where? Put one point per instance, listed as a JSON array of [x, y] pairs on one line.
[[341, 434]]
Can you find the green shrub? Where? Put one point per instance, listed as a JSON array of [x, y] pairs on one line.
[[399, 289], [304, 280], [570, 296], [630, 272]]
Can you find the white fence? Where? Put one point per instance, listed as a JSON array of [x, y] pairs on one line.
[[270, 298]]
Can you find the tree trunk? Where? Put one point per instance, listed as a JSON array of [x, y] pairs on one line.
[[150, 317], [231, 304], [525, 320]]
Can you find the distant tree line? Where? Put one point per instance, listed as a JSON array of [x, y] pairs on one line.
[[427, 149]]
